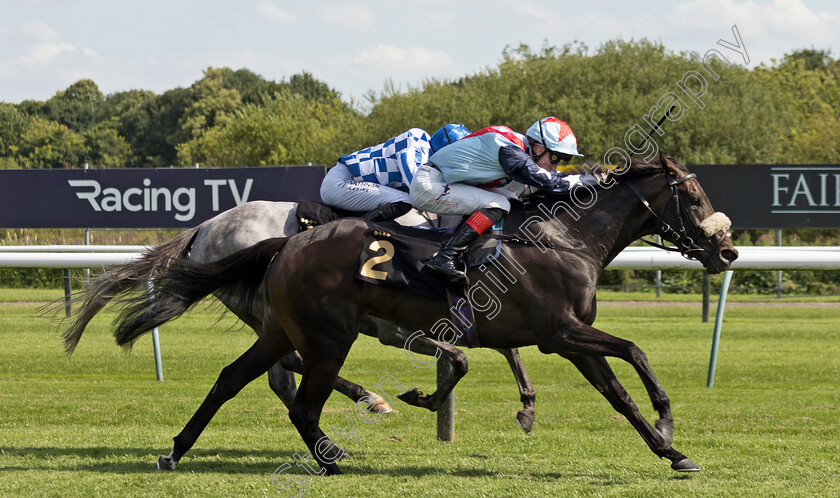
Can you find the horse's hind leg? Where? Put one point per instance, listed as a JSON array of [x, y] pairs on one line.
[[446, 352], [525, 416], [253, 363], [391, 335], [598, 372], [316, 385]]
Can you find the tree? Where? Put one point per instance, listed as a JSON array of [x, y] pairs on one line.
[[127, 112], [252, 88], [810, 57], [152, 127], [286, 130], [78, 107], [104, 147], [49, 144], [12, 126], [811, 91], [211, 103], [310, 88]]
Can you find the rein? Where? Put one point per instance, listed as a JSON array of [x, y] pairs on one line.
[[682, 236], [516, 239]]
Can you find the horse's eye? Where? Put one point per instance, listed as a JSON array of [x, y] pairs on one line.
[[695, 201]]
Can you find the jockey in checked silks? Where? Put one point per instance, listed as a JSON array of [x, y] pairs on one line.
[[376, 179], [467, 178]]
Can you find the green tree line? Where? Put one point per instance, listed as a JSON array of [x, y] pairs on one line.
[[784, 113]]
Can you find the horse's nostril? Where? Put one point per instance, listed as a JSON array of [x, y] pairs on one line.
[[729, 255]]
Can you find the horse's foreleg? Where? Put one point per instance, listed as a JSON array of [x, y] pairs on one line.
[[525, 416], [253, 363], [584, 339], [376, 404], [598, 372]]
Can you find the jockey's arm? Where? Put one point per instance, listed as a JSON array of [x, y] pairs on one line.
[[519, 166]]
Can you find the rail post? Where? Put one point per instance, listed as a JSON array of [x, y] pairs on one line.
[[68, 292], [724, 289], [155, 340], [446, 413]]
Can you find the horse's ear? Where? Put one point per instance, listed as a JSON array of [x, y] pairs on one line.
[[668, 164]]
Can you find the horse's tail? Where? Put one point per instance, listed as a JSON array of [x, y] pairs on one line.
[[185, 282], [133, 276]]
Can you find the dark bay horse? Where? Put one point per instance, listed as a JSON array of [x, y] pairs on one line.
[[244, 226], [315, 303]]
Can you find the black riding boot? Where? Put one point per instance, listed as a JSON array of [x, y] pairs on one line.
[[467, 232], [388, 211], [444, 261]]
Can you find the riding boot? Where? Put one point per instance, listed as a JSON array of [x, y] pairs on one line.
[[467, 232], [388, 211]]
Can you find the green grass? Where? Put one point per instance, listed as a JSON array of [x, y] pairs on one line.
[[16, 295], [95, 423]]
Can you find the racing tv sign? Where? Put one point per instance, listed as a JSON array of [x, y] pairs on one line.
[[143, 198], [774, 196]]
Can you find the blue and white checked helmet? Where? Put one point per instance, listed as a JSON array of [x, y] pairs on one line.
[[555, 135], [448, 134]]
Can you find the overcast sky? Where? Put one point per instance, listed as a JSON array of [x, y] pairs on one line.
[[355, 46]]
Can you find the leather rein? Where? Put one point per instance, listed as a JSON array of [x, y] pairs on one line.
[[684, 239], [682, 236]]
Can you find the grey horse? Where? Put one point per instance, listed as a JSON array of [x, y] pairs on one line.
[[244, 226]]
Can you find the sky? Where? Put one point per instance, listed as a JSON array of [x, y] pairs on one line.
[[359, 46]]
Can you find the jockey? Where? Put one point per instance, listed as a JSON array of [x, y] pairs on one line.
[[466, 178], [371, 179]]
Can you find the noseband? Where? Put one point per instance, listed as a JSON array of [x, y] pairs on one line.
[[684, 238]]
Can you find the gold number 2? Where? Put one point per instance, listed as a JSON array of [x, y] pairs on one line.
[[367, 268]]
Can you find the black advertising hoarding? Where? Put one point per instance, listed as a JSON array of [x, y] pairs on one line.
[[143, 198], [774, 196], [753, 196]]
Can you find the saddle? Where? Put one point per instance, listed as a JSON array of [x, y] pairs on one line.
[[311, 213]]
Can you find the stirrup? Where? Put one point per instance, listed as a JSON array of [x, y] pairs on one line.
[[450, 271]]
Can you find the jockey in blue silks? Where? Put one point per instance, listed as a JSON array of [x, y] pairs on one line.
[[377, 178], [466, 178]]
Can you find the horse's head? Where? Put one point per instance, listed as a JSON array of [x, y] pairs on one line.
[[685, 216]]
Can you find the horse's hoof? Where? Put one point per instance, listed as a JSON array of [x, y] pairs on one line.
[[377, 404], [411, 396], [165, 462], [665, 429], [685, 465], [332, 470], [525, 420], [334, 454]]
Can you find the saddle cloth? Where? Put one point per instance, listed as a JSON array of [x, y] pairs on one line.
[[394, 256]]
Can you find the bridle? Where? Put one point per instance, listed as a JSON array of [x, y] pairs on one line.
[[684, 237]]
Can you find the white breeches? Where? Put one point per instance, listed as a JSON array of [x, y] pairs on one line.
[[340, 190], [430, 192]]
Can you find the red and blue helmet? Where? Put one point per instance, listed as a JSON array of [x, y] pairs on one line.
[[555, 135], [447, 134]]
